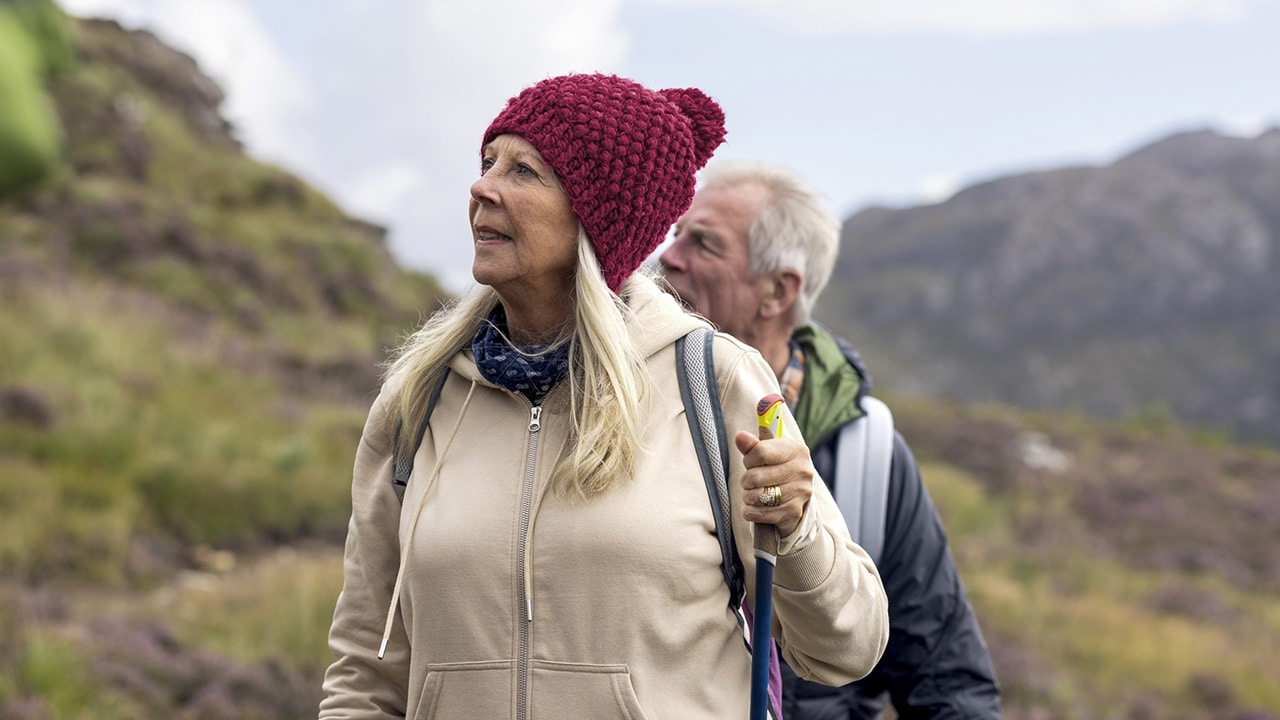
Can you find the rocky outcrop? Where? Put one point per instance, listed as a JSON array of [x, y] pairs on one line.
[[1147, 283]]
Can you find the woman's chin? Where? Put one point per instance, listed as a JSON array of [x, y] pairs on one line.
[[488, 274]]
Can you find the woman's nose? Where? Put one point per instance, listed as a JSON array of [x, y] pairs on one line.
[[482, 190]]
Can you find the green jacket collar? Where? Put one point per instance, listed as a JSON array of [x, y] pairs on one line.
[[829, 396]]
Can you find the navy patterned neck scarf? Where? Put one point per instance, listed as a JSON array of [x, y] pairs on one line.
[[531, 370]]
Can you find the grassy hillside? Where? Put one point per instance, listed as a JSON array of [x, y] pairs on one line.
[[185, 328], [189, 341], [1107, 587], [1119, 570]]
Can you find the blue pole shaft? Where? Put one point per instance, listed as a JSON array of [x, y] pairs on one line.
[[769, 425], [760, 640]]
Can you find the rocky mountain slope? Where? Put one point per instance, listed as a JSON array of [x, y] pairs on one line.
[[1148, 285]]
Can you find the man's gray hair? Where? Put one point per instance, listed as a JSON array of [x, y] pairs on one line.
[[793, 230]]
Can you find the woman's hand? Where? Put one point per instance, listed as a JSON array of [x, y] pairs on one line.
[[782, 463]]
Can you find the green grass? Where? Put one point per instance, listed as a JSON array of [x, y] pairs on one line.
[[970, 515], [280, 607], [1114, 644], [1091, 618], [55, 671], [154, 434]]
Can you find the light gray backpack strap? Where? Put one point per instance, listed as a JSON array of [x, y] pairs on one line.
[[696, 370], [863, 455]]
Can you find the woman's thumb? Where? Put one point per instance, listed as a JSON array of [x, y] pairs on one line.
[[745, 441]]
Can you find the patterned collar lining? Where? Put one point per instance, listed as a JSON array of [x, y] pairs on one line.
[[793, 376]]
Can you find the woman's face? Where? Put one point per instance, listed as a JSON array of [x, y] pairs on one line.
[[524, 230]]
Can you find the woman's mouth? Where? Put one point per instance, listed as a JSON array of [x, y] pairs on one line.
[[489, 235]]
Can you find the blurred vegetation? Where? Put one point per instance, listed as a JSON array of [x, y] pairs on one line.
[[34, 47], [191, 340], [185, 328], [1120, 570]]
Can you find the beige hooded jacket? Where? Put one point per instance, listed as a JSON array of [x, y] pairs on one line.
[[517, 603]]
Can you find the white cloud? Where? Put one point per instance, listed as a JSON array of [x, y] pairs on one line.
[[125, 11], [267, 98], [981, 17], [418, 82], [1248, 126], [939, 187], [375, 194]]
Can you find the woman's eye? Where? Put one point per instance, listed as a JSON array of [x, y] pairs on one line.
[[485, 164], [524, 169]]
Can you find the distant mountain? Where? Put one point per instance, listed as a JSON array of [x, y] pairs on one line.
[[1148, 285]]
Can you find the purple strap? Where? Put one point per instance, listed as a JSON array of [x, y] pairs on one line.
[[775, 670]]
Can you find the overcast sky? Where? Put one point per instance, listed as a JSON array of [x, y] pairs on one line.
[[381, 103]]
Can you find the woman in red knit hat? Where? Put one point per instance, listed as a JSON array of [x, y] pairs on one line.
[[543, 546]]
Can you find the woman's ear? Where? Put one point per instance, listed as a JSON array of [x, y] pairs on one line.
[[782, 289]]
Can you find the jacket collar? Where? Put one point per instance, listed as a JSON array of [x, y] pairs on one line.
[[834, 383]]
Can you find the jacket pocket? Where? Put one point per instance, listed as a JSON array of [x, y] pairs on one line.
[[572, 690], [470, 690]]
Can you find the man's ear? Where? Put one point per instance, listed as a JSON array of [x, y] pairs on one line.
[[782, 289]]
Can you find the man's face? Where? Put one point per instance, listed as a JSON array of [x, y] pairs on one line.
[[708, 264]]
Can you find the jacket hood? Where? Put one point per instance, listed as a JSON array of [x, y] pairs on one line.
[[657, 320], [834, 384]]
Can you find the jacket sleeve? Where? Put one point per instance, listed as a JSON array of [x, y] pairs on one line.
[[936, 664], [830, 613], [359, 686]]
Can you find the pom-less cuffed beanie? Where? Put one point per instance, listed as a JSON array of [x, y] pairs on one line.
[[626, 156]]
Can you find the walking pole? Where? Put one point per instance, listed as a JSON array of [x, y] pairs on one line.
[[769, 421]]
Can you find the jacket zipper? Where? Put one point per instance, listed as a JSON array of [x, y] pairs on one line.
[[526, 602]]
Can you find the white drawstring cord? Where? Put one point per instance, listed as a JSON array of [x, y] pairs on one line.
[[413, 525]]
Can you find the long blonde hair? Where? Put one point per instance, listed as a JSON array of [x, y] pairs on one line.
[[608, 379]]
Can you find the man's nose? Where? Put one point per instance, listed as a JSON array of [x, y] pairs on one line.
[[671, 258]]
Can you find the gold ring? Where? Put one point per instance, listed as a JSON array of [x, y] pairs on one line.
[[771, 496]]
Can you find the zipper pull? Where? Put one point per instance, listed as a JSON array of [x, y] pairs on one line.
[[535, 418]]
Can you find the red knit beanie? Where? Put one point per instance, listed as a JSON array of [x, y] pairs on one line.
[[625, 155]]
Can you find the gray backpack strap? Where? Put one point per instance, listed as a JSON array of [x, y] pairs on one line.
[[863, 455], [402, 469], [696, 371]]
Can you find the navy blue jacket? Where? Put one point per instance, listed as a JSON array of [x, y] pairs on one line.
[[936, 664]]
